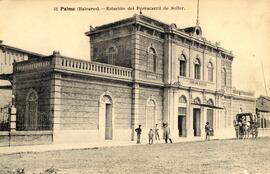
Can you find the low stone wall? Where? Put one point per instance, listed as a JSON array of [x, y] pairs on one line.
[[19, 138], [4, 138], [88, 136]]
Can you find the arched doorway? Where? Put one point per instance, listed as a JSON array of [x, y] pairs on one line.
[[182, 111], [197, 118], [106, 117], [150, 114]]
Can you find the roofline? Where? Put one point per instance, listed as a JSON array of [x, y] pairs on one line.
[[265, 97], [21, 50], [136, 20], [105, 26]]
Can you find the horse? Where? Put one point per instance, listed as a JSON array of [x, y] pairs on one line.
[[254, 129], [246, 130]]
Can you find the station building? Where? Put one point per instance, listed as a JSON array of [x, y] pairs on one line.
[[141, 72]]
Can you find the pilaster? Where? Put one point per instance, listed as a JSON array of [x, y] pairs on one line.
[[203, 120], [218, 114], [190, 131], [55, 101], [135, 53], [135, 109], [168, 106], [13, 112], [135, 61], [168, 60]]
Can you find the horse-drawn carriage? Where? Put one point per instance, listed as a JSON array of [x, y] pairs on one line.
[[245, 124]]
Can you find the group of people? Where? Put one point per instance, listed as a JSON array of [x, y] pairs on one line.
[[166, 133], [243, 127], [155, 133]]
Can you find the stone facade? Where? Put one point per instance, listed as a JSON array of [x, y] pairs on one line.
[[34, 98], [141, 71]]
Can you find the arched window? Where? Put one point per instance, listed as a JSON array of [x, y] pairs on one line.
[[223, 77], [210, 71], [182, 99], [31, 110], [197, 69], [182, 65], [111, 54], [150, 114], [152, 60]]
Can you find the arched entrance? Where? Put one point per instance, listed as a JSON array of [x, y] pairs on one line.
[[197, 118], [182, 111], [150, 114], [106, 117]]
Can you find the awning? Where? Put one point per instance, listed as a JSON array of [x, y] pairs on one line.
[[262, 110], [208, 106]]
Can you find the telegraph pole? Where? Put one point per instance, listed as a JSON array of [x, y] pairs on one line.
[[198, 12], [263, 77]]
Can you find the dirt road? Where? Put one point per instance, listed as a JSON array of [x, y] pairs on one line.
[[223, 156]]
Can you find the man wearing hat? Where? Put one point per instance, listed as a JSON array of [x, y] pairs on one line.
[[207, 131], [139, 131], [166, 133]]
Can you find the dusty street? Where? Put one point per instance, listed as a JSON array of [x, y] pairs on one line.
[[223, 156]]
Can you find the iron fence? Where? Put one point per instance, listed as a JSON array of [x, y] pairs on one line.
[[5, 117], [43, 122]]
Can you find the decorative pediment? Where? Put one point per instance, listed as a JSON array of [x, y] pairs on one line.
[[197, 100], [107, 99], [182, 57], [210, 102], [197, 61], [210, 65]]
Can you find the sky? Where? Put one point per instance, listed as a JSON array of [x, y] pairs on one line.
[[242, 26]]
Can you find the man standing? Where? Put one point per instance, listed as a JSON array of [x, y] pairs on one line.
[[139, 131], [236, 127], [166, 132], [207, 131], [151, 136], [156, 132]]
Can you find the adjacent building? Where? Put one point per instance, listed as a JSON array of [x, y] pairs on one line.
[[9, 55], [263, 110]]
